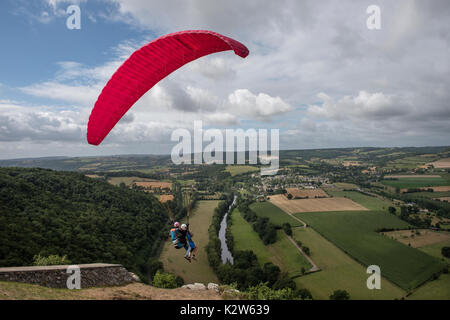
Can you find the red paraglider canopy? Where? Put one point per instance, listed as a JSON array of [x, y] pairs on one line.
[[145, 68]]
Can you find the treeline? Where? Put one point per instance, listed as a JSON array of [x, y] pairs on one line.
[[177, 206], [441, 208], [44, 212], [112, 174], [262, 225]]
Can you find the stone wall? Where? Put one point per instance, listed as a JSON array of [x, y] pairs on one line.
[[91, 275]]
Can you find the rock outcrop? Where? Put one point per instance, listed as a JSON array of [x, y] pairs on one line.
[[90, 275]]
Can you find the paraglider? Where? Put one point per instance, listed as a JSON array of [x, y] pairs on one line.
[[145, 68]]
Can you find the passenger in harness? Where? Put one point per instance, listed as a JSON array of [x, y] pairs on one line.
[[182, 238]]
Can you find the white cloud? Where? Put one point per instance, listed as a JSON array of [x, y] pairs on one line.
[[261, 106], [82, 94], [390, 85], [365, 105]]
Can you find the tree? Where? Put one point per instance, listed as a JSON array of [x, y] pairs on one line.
[[303, 294], [154, 266], [340, 295], [271, 273], [287, 228], [51, 260], [306, 250], [165, 280], [284, 281], [392, 210], [289, 196], [446, 252]]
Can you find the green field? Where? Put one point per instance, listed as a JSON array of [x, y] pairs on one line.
[[282, 253], [354, 232], [245, 238], [434, 290], [411, 183], [236, 169], [173, 259], [428, 195], [275, 214], [287, 257], [338, 271], [410, 162], [371, 203], [435, 250], [127, 180], [343, 185]]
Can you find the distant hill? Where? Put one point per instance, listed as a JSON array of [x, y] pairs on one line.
[[66, 213], [86, 164], [144, 163]]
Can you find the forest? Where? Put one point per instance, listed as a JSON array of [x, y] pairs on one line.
[[45, 212]]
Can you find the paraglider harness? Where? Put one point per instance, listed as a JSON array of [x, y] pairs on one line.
[[181, 237]]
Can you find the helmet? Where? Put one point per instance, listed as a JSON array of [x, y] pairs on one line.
[[183, 227], [176, 224]]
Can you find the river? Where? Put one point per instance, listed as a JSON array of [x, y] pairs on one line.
[[226, 254]]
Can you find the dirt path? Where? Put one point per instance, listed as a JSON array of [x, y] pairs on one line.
[[301, 221], [314, 266]]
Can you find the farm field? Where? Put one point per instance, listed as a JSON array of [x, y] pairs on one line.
[[282, 253], [338, 271], [430, 195], [127, 180], [441, 189], [286, 256], [371, 203], [354, 232], [444, 199], [306, 193], [165, 197], [410, 183], [315, 205], [236, 169], [435, 250], [154, 184], [410, 162], [412, 176], [344, 185], [173, 259], [418, 238], [441, 164], [434, 290], [245, 238], [275, 214]]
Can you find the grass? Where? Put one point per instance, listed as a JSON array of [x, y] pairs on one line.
[[275, 214], [411, 183], [410, 162], [354, 232], [435, 250], [338, 271], [235, 170], [287, 257], [25, 291], [173, 259], [371, 203], [245, 238], [282, 253], [127, 180], [344, 185], [134, 291], [434, 290], [428, 195]]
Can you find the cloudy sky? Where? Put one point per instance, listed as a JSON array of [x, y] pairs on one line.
[[315, 72]]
